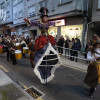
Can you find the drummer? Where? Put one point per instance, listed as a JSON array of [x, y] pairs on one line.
[[23, 44], [1, 41], [12, 50], [7, 42], [31, 46]]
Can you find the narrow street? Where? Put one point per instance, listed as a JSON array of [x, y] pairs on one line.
[[66, 85]]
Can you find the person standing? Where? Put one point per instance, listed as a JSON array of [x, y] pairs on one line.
[[67, 41], [75, 48], [70, 48]]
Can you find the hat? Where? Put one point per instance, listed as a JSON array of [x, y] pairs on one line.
[[96, 39], [43, 11]]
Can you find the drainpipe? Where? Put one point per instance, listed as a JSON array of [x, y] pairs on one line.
[[86, 34], [85, 24]]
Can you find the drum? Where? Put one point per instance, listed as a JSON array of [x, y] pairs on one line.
[[29, 52], [1, 50], [18, 45], [25, 50], [18, 54]]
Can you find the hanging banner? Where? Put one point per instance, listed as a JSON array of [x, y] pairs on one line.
[[2, 14]]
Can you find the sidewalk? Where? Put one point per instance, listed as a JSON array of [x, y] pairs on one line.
[[81, 64], [9, 90]]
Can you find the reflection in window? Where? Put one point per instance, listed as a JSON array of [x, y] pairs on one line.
[[43, 4], [64, 1], [31, 11], [98, 4], [8, 14]]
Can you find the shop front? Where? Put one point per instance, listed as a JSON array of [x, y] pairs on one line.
[[71, 27], [53, 31], [72, 31]]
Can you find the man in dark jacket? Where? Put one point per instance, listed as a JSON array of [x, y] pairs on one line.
[[76, 48]]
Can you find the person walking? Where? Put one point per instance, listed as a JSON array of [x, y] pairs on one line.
[[92, 78]]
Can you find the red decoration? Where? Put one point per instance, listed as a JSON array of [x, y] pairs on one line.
[[41, 41], [76, 29]]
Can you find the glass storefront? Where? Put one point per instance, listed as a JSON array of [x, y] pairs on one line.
[[53, 31], [73, 31]]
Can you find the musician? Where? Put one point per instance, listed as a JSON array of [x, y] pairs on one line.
[[12, 50], [23, 44], [31, 46], [1, 41], [7, 42], [92, 78]]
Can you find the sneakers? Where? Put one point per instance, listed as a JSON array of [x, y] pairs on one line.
[[91, 92]]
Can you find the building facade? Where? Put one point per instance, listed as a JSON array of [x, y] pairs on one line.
[[6, 17], [67, 14], [94, 24]]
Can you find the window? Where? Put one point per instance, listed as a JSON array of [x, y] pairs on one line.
[[15, 15], [31, 11], [8, 14], [64, 1], [3, 5], [43, 4], [20, 14], [7, 2], [15, 2], [98, 4]]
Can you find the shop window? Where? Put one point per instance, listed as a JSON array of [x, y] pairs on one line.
[[73, 31], [43, 4], [31, 11], [98, 7], [53, 31]]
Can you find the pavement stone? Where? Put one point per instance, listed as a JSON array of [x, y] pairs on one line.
[[81, 64], [5, 81]]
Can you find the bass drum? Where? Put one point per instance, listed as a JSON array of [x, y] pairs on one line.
[[25, 50], [18, 54], [18, 45], [1, 50]]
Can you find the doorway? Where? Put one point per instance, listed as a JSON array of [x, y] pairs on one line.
[[34, 33]]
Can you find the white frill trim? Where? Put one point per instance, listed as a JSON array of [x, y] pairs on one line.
[[49, 48]]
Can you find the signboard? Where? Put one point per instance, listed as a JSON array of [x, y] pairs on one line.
[[60, 22], [2, 14]]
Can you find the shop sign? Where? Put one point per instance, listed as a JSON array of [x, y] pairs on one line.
[[60, 22], [2, 14]]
